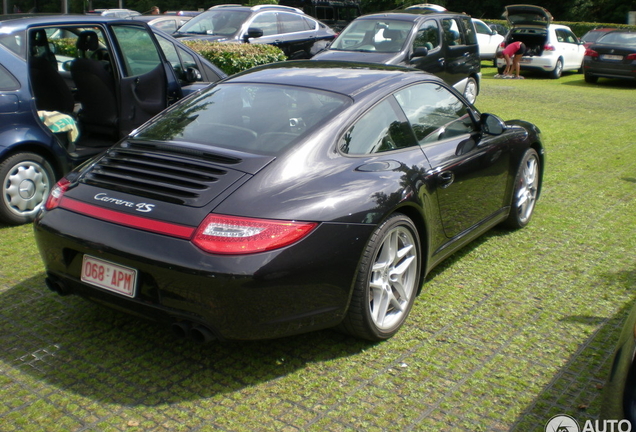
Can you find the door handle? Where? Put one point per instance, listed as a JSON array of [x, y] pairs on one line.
[[445, 179]]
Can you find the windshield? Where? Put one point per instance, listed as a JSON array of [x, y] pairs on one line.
[[386, 36], [240, 117], [619, 38], [216, 22]]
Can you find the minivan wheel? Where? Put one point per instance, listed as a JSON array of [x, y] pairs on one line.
[[26, 180], [471, 90], [591, 79]]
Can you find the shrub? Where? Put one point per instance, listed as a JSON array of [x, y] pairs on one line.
[[236, 57], [65, 46]]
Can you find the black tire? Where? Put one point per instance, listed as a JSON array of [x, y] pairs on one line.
[[558, 70], [591, 79], [26, 179], [390, 269], [526, 190]]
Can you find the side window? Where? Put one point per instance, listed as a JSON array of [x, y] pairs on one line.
[[482, 28], [7, 81], [291, 23], [139, 51], [569, 37], [427, 36], [434, 112], [379, 130], [169, 26], [469, 31], [452, 35], [267, 22]]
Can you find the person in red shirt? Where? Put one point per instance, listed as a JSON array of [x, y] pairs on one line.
[[512, 54]]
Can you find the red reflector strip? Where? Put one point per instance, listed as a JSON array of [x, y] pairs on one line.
[[174, 230]]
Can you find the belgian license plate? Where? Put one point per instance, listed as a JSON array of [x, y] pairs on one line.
[[110, 276], [611, 57]]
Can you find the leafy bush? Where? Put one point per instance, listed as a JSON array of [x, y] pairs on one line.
[[65, 46], [236, 57]]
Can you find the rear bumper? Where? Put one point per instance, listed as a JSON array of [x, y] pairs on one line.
[[293, 290]]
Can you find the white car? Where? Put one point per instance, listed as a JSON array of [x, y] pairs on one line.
[[487, 39], [551, 48]]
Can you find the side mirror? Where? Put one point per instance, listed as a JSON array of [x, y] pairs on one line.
[[492, 125], [192, 75], [67, 65], [420, 52], [252, 33]]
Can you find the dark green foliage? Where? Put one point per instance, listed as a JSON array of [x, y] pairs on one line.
[[234, 57]]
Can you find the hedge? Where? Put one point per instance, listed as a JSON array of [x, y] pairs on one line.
[[236, 57], [579, 28]]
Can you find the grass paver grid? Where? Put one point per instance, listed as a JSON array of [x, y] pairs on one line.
[[513, 329]]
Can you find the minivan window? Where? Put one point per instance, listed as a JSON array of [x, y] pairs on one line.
[[427, 35]]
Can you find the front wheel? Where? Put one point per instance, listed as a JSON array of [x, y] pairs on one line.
[[471, 90], [387, 281], [526, 190], [26, 181]]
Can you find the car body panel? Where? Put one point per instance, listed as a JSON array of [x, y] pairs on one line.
[[318, 177], [527, 15], [452, 61], [295, 33], [488, 40], [614, 56], [140, 94], [546, 46]]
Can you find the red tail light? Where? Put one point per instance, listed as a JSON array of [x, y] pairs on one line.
[[549, 47], [56, 194], [237, 235], [631, 56], [591, 53]]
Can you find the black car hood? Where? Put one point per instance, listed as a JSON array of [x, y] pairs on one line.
[[178, 173], [359, 56]]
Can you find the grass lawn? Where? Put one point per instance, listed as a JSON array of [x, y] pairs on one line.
[[515, 328]]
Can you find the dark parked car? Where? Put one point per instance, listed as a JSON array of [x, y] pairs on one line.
[[298, 35], [337, 14], [442, 43], [593, 35], [230, 219], [619, 392], [65, 71], [612, 56]]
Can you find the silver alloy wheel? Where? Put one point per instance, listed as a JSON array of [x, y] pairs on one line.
[[25, 187], [526, 195], [470, 91], [393, 280]]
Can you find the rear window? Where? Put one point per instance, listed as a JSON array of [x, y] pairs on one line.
[[256, 118]]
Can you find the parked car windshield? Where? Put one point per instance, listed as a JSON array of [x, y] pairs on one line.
[[217, 22], [619, 38], [240, 117], [377, 36]]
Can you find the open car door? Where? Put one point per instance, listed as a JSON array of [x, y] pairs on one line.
[[148, 83]]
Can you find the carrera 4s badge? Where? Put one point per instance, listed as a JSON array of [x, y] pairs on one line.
[[140, 207]]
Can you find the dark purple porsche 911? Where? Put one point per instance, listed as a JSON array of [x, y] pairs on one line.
[[293, 197]]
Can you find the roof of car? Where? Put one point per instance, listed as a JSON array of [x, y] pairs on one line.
[[257, 7], [347, 78], [406, 15], [24, 21]]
